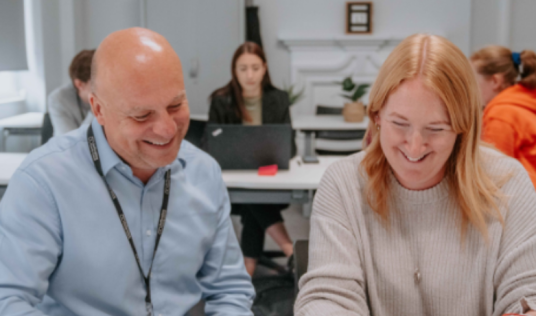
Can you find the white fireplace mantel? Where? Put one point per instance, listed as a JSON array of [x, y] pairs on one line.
[[344, 42], [317, 63]]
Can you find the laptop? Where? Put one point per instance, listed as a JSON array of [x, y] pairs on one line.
[[240, 147]]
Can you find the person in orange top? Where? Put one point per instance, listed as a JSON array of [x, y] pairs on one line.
[[507, 83]]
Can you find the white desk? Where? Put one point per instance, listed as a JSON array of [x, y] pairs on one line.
[[24, 124], [287, 186], [313, 123], [327, 122], [245, 186], [199, 117]]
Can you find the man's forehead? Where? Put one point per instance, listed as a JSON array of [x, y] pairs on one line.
[[180, 96]]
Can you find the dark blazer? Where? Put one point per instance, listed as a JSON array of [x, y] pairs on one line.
[[275, 110]]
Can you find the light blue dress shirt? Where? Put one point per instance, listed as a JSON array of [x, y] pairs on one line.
[[64, 252]]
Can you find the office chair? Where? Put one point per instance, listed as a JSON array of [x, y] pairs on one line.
[[336, 142], [301, 260], [47, 131], [195, 135]]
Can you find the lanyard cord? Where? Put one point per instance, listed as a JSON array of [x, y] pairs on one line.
[[161, 222]]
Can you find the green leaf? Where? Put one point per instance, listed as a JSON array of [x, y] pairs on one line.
[[348, 84], [360, 91], [293, 96]]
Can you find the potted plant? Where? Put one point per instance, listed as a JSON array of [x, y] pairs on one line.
[[353, 111], [293, 96]]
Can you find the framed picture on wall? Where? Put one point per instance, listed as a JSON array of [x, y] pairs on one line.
[[358, 17]]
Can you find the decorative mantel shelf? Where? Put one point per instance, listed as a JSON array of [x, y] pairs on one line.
[[346, 42], [318, 62]]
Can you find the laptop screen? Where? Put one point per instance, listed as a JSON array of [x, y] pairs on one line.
[[239, 147]]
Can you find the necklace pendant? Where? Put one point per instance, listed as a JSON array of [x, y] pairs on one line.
[[417, 276]]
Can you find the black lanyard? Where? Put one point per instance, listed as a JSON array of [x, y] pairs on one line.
[[161, 222]]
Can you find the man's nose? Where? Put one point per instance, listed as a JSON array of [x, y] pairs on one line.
[[416, 144], [166, 126]]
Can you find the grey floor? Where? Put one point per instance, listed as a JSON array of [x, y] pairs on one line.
[[298, 228]]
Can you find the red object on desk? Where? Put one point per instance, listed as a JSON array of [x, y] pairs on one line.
[[270, 170]]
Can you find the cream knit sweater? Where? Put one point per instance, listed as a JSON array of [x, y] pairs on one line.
[[359, 267]]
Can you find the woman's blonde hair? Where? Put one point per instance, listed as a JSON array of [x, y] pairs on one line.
[[444, 69]]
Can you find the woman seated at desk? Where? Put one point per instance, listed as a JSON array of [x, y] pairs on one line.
[[425, 221], [251, 99], [509, 121]]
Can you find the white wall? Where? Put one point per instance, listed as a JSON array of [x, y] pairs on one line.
[[68, 26], [504, 22], [320, 18], [484, 23], [72, 25], [98, 18], [522, 30]]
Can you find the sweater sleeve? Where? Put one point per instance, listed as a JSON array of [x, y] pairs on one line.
[[515, 272], [334, 283]]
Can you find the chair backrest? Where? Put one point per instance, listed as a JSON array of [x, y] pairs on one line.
[[301, 260], [328, 110], [195, 132], [47, 131], [327, 140]]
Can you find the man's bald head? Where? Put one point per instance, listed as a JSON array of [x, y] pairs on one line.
[[131, 54], [138, 98]]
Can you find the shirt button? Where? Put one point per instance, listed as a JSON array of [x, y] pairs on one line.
[[148, 232]]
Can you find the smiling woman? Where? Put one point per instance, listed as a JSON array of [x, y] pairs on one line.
[[417, 137], [419, 222], [430, 83]]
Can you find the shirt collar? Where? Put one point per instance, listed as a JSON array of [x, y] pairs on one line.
[[108, 157]]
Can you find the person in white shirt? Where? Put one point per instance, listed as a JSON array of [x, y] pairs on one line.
[[68, 105]]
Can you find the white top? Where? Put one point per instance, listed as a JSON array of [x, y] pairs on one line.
[[9, 162], [327, 122], [417, 264], [26, 120], [300, 176]]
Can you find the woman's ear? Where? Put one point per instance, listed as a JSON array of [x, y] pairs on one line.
[[377, 119], [497, 81]]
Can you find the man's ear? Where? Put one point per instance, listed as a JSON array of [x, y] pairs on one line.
[[96, 108]]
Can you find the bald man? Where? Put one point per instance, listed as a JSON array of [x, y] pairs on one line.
[[123, 217]]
